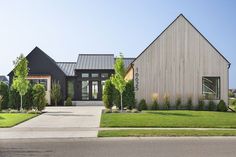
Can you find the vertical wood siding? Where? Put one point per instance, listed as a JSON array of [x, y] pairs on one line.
[[176, 62]]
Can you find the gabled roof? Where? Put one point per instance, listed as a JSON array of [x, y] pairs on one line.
[[181, 15], [3, 78], [38, 50], [95, 61], [67, 67]]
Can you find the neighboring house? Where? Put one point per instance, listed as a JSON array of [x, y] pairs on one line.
[[4, 79], [82, 80], [180, 62]]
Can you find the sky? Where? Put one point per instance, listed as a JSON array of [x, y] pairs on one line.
[[65, 28]]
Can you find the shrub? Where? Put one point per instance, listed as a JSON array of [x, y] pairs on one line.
[[13, 111], [155, 105], [128, 111], [116, 98], [107, 111], [211, 105], [28, 98], [68, 101], [221, 106], [234, 102], [201, 104], [166, 103], [39, 96], [4, 92], [34, 111], [1, 100], [142, 105], [231, 94], [129, 95], [14, 99], [56, 92], [189, 103], [135, 111], [115, 111], [108, 94], [178, 102]]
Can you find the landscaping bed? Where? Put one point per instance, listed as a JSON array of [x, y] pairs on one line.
[[153, 133], [12, 119], [170, 119]]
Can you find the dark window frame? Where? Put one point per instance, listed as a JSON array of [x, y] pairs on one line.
[[216, 77]]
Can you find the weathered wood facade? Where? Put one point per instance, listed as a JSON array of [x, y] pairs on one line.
[[175, 64]]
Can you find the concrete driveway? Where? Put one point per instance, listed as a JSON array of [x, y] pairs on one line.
[[58, 122]]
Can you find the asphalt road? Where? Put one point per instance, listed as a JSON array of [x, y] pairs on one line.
[[124, 147]]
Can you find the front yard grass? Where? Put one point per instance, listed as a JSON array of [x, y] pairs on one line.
[[12, 119], [152, 133], [170, 119]]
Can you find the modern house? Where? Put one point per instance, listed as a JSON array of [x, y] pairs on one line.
[[4, 79], [180, 62], [82, 80]]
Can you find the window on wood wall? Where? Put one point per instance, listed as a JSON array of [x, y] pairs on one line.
[[211, 87]]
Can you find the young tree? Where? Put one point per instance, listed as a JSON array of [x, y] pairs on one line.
[[56, 92], [20, 83], [118, 78]]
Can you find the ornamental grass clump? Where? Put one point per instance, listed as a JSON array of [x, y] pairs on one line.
[[166, 102], [155, 105]]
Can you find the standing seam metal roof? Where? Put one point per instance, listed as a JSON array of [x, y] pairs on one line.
[[95, 61], [67, 67]]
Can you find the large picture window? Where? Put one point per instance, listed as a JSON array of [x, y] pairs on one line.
[[211, 87], [41, 81]]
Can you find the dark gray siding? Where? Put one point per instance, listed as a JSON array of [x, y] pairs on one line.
[[41, 64]]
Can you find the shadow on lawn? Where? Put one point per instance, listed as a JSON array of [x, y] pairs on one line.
[[172, 114], [1, 117]]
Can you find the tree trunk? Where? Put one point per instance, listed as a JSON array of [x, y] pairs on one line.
[[55, 102], [21, 108], [121, 103]]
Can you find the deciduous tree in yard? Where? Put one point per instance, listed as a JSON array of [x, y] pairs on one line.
[[118, 78], [20, 83], [56, 92]]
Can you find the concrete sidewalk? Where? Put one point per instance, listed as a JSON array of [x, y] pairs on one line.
[[58, 122]]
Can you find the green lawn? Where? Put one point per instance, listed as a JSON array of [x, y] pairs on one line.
[[12, 119], [170, 119], [151, 133]]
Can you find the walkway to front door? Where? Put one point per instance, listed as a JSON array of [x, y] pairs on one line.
[[58, 122]]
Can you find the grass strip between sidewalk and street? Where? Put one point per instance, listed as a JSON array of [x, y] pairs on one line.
[[156, 133]]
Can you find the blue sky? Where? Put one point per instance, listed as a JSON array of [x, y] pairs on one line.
[[63, 29]]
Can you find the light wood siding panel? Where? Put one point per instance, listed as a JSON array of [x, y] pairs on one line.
[[175, 64], [129, 74]]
